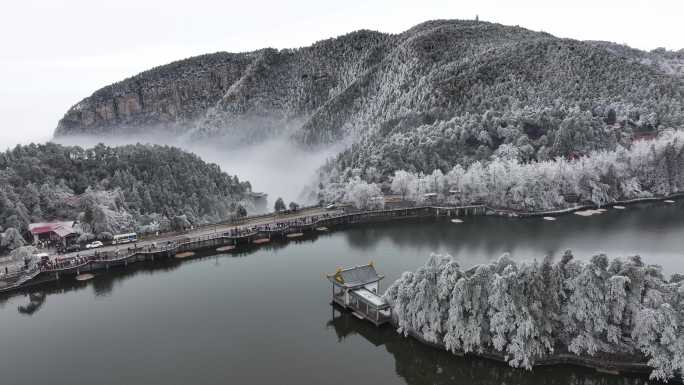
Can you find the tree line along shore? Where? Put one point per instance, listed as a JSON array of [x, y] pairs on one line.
[[617, 314]]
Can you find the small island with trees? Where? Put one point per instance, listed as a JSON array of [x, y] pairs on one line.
[[618, 314]]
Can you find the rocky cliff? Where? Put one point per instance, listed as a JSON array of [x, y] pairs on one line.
[[373, 86], [225, 94], [168, 97]]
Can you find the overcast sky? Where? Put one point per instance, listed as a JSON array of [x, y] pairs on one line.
[[56, 52]]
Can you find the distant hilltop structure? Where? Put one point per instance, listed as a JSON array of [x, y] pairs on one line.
[[510, 80], [219, 95]]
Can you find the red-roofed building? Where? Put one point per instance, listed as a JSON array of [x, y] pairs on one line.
[[55, 232]]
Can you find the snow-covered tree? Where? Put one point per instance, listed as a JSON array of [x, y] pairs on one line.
[[24, 254], [363, 195], [11, 239], [112, 189], [180, 223], [503, 181], [279, 205], [403, 183], [525, 311]]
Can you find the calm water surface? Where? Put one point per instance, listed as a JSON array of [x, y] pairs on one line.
[[262, 317]]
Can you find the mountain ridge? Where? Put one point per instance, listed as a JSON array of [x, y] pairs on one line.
[[370, 86]]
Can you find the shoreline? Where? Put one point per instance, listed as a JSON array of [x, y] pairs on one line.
[[570, 210], [606, 366], [240, 237], [247, 235]]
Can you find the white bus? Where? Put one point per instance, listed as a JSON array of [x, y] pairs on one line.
[[125, 238]]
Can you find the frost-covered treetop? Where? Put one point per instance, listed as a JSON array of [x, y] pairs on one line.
[[112, 189], [516, 82], [647, 168], [528, 311]]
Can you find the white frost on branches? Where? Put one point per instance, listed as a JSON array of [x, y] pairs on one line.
[[647, 168], [526, 311], [363, 195]]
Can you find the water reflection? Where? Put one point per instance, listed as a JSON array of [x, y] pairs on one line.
[[478, 233], [261, 320], [640, 229], [105, 281], [36, 301], [102, 285], [646, 229], [419, 364]]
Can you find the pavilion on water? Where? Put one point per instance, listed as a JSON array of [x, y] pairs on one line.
[[357, 288]]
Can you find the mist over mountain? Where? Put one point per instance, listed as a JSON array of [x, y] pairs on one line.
[[441, 93]]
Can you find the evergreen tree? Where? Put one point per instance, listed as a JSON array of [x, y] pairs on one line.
[[111, 189], [279, 205], [526, 311], [11, 239], [241, 211]]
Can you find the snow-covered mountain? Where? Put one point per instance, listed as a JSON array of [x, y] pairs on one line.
[[442, 92]]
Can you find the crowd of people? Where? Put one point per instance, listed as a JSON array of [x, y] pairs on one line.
[[62, 262], [275, 226]]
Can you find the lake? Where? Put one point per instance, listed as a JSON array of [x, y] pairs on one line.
[[263, 316]]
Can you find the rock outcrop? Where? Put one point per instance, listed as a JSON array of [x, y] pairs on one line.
[[370, 85]]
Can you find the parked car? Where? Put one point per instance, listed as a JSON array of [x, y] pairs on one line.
[[94, 245]]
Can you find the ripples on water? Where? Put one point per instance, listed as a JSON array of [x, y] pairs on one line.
[[262, 316]]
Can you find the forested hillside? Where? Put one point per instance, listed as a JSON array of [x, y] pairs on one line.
[[619, 309], [444, 92], [647, 168], [474, 84], [670, 62], [114, 189]]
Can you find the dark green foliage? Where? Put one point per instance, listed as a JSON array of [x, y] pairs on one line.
[[180, 223], [444, 92], [10, 240], [241, 211], [51, 181], [279, 204]]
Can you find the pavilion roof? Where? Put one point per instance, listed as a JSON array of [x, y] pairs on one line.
[[355, 276]]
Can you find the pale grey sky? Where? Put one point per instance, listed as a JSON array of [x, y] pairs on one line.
[[56, 52]]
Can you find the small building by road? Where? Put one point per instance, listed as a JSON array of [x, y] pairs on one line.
[[53, 233]]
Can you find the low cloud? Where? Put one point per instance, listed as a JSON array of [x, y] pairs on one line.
[[276, 166]]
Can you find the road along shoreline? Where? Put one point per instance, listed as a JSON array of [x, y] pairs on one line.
[[254, 234]]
